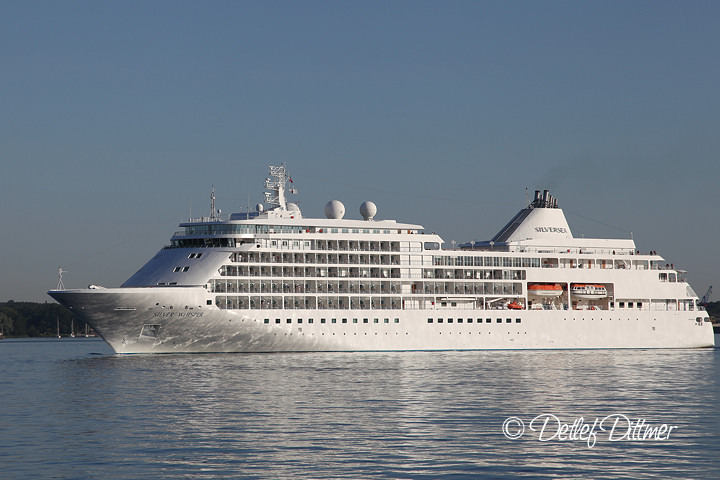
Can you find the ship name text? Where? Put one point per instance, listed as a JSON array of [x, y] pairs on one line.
[[551, 229], [178, 314]]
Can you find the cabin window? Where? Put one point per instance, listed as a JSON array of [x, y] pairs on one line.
[[549, 262], [430, 320], [440, 320]]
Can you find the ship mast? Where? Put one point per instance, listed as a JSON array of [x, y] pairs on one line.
[[275, 197], [60, 285], [214, 214]]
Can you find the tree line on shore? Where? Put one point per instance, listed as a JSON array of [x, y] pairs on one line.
[[30, 319]]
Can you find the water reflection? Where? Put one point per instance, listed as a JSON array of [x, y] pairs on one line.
[[355, 415]]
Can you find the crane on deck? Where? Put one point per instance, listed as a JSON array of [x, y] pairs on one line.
[[706, 298]]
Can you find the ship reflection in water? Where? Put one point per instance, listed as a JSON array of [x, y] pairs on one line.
[[356, 415]]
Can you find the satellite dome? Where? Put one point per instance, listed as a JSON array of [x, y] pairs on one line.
[[368, 210], [334, 209], [293, 207], [259, 207]]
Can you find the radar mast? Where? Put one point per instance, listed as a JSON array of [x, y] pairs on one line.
[[275, 184]]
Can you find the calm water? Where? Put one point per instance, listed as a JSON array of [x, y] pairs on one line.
[[71, 409]]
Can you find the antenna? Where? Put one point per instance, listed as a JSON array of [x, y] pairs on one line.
[[60, 285], [212, 203], [276, 186]]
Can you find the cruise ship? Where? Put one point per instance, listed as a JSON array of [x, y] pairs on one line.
[[271, 280]]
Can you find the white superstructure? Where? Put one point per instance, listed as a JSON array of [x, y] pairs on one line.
[[271, 280]]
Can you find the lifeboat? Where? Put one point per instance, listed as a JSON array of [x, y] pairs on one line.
[[514, 306], [589, 291], [545, 290]]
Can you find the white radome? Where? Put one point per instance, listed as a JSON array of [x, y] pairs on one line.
[[334, 210], [368, 210]]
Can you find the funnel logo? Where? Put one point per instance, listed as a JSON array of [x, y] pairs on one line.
[[551, 230]]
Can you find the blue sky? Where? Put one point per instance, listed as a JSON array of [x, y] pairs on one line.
[[118, 117]]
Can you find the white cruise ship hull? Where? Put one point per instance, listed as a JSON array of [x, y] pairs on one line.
[[274, 281], [178, 320]]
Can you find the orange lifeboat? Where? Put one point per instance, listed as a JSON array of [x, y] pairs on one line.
[[514, 306], [545, 289]]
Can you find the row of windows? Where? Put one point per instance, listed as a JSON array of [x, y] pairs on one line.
[[476, 273], [437, 260], [307, 302], [303, 286], [267, 271], [470, 320], [243, 229], [440, 273], [482, 261], [469, 288], [334, 320], [321, 258], [363, 287], [204, 243], [356, 245]]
